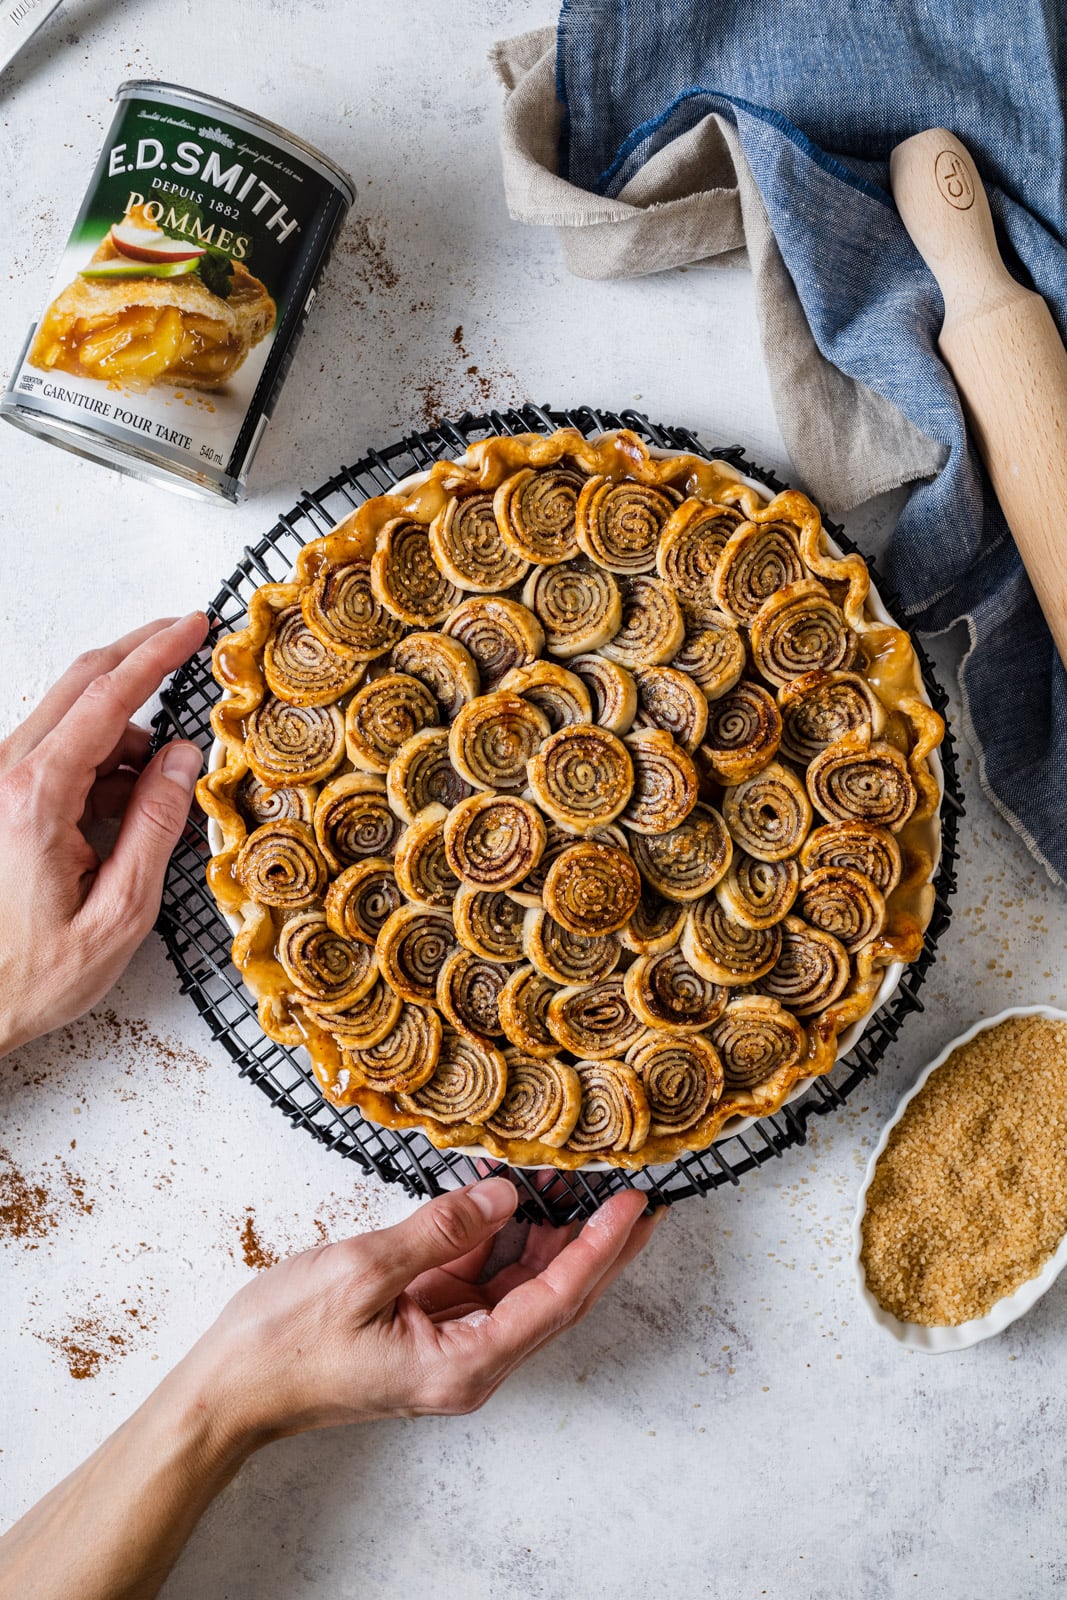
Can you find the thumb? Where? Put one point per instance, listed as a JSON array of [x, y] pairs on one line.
[[152, 824], [439, 1232]]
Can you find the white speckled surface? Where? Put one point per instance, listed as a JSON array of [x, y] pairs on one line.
[[727, 1422]]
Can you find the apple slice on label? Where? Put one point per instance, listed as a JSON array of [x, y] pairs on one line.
[[138, 269], [149, 244]]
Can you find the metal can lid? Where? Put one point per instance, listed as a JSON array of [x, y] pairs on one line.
[[154, 89]]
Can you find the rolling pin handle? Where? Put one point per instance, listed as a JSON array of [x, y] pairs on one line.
[[943, 206]]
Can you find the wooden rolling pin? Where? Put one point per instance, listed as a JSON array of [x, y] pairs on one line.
[[1002, 347]]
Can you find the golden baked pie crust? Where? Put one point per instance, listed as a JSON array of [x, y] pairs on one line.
[[886, 661]]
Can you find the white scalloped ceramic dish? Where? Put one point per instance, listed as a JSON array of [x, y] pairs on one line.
[[941, 1340], [893, 973]]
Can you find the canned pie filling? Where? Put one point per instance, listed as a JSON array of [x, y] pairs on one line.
[[181, 294]]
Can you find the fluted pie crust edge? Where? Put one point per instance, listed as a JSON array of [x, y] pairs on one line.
[[888, 664]]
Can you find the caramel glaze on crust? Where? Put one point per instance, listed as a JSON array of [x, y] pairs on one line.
[[883, 658]]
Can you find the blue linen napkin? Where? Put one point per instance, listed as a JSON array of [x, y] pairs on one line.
[[819, 95]]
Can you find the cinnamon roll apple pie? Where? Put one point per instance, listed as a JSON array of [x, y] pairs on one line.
[[571, 802]]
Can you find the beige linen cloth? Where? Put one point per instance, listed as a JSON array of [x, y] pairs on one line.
[[695, 203]]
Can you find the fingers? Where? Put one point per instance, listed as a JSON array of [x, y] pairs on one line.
[[470, 1267], [130, 750], [129, 885], [67, 689], [543, 1245], [444, 1290], [445, 1230], [643, 1230], [89, 731], [541, 1307], [109, 797]]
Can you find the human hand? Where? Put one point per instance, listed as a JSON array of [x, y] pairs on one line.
[[396, 1323], [69, 922]]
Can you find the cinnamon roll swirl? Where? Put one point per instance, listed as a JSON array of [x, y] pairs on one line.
[[811, 972], [467, 1085], [467, 546], [258, 804], [592, 888], [498, 633], [535, 514], [800, 630], [612, 833], [332, 971], [492, 740], [489, 922], [757, 1038], [411, 949], [682, 1078], [652, 628], [421, 775], [851, 781], [364, 1023], [820, 708], [686, 862], [492, 841], [300, 669], [743, 733], [618, 524], [566, 957], [578, 605], [405, 1058], [615, 1112], [582, 777], [595, 1023], [713, 656], [758, 893], [758, 560], [655, 926], [340, 609], [291, 745], [725, 951], [382, 716], [690, 547], [560, 694], [667, 994], [541, 1103], [665, 783], [406, 579], [353, 820], [281, 865], [670, 700], [531, 890], [843, 902], [423, 874], [860, 845], [768, 815], [468, 993], [444, 665], [523, 1008], [362, 898], [612, 692]]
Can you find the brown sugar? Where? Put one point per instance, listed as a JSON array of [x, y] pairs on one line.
[[969, 1198]]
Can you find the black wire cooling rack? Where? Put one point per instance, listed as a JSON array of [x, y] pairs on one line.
[[198, 940]]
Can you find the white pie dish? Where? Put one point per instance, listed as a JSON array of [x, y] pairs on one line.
[[941, 1340], [893, 973]]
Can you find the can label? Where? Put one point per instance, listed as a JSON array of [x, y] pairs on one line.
[[182, 288]]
